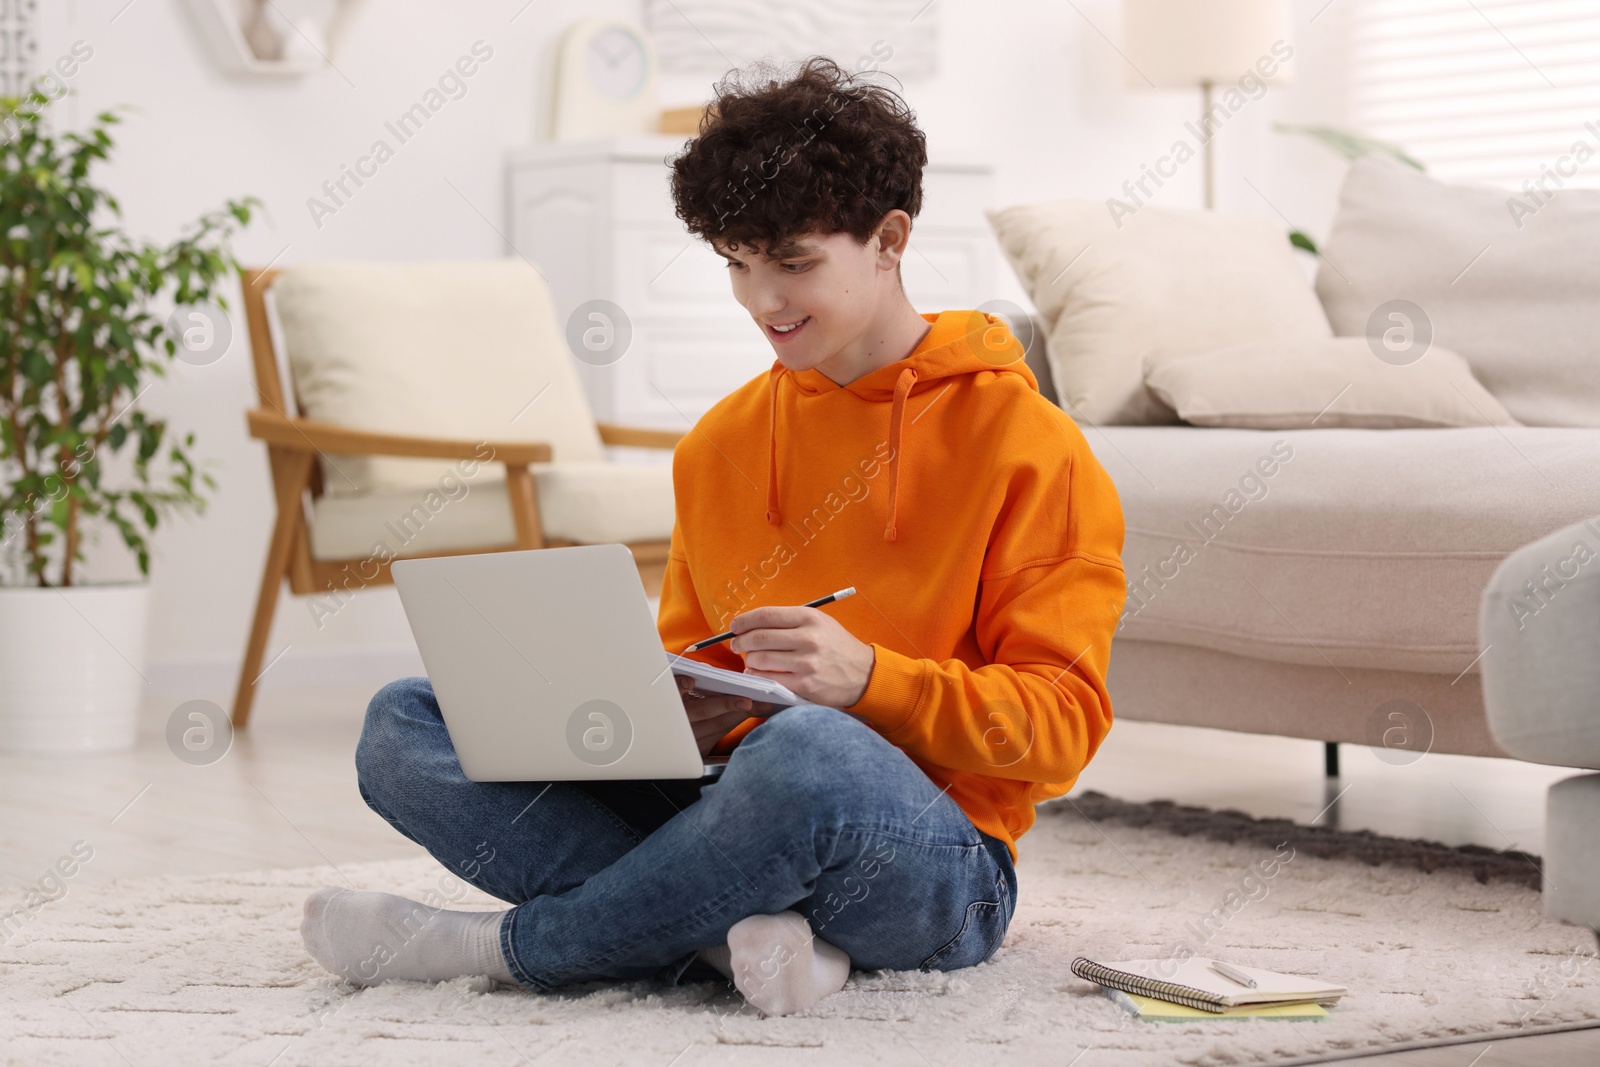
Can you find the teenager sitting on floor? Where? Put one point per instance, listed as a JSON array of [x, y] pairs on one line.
[[908, 455]]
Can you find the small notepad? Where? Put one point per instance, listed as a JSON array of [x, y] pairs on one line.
[[709, 679], [1193, 983]]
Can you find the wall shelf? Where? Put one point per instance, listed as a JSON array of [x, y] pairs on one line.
[[221, 25]]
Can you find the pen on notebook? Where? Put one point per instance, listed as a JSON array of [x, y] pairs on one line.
[[848, 590], [1233, 974]]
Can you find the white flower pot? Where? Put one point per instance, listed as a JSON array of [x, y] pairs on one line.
[[71, 667]]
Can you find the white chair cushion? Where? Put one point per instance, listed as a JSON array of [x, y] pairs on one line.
[[450, 349], [1114, 293], [1513, 289], [593, 503], [590, 503]]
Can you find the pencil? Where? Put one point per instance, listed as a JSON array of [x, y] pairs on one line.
[[848, 590]]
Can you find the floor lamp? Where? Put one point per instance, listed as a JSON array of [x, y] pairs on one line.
[[1171, 44]]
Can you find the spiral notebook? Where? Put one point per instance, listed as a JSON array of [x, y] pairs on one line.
[[1192, 982]]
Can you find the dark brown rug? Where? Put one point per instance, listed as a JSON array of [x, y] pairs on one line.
[[1326, 842]]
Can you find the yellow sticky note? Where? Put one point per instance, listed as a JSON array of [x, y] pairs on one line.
[[1165, 1011]]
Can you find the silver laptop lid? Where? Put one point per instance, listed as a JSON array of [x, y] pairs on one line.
[[547, 665]]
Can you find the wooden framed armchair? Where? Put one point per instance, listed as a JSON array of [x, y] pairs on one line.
[[499, 310]]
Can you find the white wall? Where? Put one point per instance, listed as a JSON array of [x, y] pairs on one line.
[[1035, 83]]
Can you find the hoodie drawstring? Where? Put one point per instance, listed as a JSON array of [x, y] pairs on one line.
[[774, 516], [902, 386]]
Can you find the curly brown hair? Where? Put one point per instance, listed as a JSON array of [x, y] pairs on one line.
[[824, 151]]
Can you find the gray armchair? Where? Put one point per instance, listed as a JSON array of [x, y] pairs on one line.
[[1540, 618]]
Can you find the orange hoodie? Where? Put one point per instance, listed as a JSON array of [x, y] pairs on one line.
[[982, 536]]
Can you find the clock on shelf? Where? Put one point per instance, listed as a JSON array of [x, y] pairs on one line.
[[605, 81]]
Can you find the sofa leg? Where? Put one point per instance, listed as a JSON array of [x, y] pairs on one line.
[[1330, 758]]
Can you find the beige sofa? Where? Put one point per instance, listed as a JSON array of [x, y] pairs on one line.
[[1353, 583], [1329, 580]]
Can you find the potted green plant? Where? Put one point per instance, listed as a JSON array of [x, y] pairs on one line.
[[80, 340]]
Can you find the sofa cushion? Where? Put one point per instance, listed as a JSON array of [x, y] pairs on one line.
[[466, 350], [1355, 548], [589, 503], [1114, 291], [1506, 281], [1322, 384]]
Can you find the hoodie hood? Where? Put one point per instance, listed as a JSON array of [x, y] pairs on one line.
[[959, 345]]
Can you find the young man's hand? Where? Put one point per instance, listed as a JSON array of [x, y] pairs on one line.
[[805, 649], [714, 715]]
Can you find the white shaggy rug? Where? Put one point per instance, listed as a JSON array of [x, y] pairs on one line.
[[211, 970]]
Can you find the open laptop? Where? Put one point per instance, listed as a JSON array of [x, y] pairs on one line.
[[548, 667]]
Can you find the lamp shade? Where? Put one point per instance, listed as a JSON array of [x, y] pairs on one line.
[[1181, 43]]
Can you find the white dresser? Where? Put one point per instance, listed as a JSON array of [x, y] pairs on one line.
[[596, 218]]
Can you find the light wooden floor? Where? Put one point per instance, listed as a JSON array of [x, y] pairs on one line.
[[285, 796]]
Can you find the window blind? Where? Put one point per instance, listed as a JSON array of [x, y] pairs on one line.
[[1499, 92]]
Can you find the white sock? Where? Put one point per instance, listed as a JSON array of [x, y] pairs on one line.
[[369, 938], [778, 964]]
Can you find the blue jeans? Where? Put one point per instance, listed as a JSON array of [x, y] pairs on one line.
[[815, 813]]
